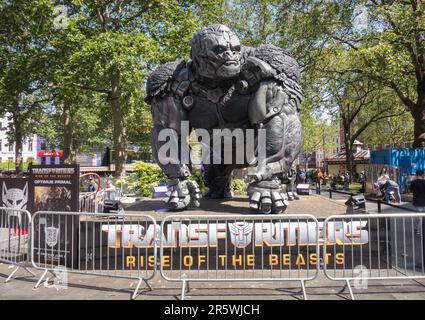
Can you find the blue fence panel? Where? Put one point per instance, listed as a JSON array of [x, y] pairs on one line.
[[406, 160]]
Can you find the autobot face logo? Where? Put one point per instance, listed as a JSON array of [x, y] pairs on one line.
[[15, 198], [51, 234], [241, 234]]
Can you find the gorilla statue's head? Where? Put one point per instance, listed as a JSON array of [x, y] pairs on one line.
[[216, 52]]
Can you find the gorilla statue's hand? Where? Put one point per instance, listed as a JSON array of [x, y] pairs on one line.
[[181, 193]]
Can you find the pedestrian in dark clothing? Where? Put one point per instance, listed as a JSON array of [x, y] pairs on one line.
[[92, 185], [418, 188]]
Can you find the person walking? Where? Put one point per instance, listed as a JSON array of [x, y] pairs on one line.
[[417, 186]]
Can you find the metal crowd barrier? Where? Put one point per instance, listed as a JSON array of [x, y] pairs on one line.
[[374, 247], [210, 248], [110, 245], [15, 235], [90, 202], [244, 248]]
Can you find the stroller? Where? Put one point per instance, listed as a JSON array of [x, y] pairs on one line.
[[112, 204]]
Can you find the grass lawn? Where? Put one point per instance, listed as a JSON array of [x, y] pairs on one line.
[[353, 188]]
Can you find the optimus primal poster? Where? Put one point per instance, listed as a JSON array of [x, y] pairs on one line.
[[236, 245], [56, 188], [15, 194]]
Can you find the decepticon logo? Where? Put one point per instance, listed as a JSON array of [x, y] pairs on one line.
[[15, 198]]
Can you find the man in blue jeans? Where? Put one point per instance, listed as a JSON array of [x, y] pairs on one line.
[[418, 188]]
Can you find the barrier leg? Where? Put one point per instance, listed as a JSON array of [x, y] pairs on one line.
[[183, 289], [349, 289], [188, 287], [12, 274], [15, 270], [303, 289], [147, 284], [348, 285], [29, 271], [41, 279], [136, 291]]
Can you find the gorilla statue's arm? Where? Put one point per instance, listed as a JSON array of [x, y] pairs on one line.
[[273, 78], [168, 114]]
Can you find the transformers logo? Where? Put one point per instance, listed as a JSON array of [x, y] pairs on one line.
[[241, 233], [15, 198]]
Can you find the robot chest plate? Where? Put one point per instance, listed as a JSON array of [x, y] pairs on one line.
[[208, 115]]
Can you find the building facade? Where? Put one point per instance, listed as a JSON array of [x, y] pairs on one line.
[[7, 150]]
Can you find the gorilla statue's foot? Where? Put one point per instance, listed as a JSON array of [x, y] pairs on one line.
[[267, 197]]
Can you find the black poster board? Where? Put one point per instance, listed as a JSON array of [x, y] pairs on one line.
[[56, 188], [15, 193], [126, 246]]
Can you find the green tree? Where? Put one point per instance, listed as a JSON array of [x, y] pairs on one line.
[[25, 27], [390, 49], [109, 48], [358, 103]]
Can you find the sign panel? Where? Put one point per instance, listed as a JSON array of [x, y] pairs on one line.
[[233, 245], [14, 240], [56, 188], [50, 153]]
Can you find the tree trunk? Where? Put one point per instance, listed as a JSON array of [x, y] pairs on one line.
[[347, 156], [118, 123], [419, 117], [67, 134], [351, 164], [19, 161]]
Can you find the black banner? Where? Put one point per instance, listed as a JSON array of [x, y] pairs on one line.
[[56, 188], [15, 194], [222, 245]]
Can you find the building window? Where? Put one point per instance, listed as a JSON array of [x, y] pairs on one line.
[[10, 146], [30, 147], [0, 144]]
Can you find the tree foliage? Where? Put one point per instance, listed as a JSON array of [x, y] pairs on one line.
[[74, 71]]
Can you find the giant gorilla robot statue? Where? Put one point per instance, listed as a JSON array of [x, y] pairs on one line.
[[226, 85]]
